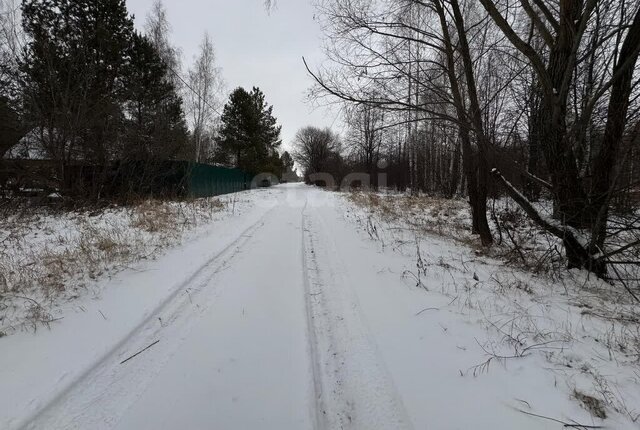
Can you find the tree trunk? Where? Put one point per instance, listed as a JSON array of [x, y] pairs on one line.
[[455, 170], [604, 174], [476, 187], [478, 126], [533, 189]]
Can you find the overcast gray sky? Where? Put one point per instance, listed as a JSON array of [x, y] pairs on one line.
[[253, 48]]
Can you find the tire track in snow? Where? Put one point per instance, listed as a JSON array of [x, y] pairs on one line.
[[353, 388], [319, 413], [99, 396]]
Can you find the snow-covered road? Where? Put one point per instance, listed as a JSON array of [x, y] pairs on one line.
[[284, 316], [266, 334]]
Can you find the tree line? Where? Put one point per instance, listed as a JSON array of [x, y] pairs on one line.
[[79, 85], [536, 98]]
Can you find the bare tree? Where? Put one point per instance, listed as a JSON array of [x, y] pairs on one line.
[[366, 135], [11, 37], [315, 149], [204, 99], [580, 204], [11, 44], [158, 30], [394, 56], [547, 91]]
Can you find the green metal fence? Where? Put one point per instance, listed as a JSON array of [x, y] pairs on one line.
[[123, 178], [207, 181]]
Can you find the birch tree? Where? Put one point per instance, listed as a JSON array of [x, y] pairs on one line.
[[205, 89], [11, 44], [158, 31]]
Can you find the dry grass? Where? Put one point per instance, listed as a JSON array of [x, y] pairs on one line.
[[593, 405], [518, 241], [444, 217], [50, 257], [534, 307]]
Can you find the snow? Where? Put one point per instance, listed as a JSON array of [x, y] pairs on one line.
[[476, 306], [307, 310], [353, 385], [38, 369], [253, 341], [51, 257]]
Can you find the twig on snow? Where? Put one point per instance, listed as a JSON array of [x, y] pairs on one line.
[[427, 309], [140, 352], [564, 423]]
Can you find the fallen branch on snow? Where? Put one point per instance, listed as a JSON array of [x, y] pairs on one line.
[[140, 352], [577, 248]]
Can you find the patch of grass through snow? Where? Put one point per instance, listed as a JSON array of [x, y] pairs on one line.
[[520, 292], [49, 257]]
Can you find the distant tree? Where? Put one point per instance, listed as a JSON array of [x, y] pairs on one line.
[[273, 164], [365, 137], [11, 44], [288, 165], [317, 150], [155, 125], [287, 161], [249, 134], [158, 30], [203, 99]]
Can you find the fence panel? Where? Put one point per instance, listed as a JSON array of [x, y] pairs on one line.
[[208, 181]]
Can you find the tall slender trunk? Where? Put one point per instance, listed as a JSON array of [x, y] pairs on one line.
[[471, 160], [604, 174], [478, 126], [532, 188], [455, 170]]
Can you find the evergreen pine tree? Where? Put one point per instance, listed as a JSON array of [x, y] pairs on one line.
[[287, 161], [250, 136], [155, 124], [288, 164], [73, 71]]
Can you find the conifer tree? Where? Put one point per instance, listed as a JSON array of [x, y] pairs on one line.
[[250, 136], [288, 164], [73, 70], [155, 124]]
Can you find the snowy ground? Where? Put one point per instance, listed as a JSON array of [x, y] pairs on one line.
[[49, 258], [307, 310]]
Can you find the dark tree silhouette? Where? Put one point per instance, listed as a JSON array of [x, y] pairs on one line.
[[250, 136]]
